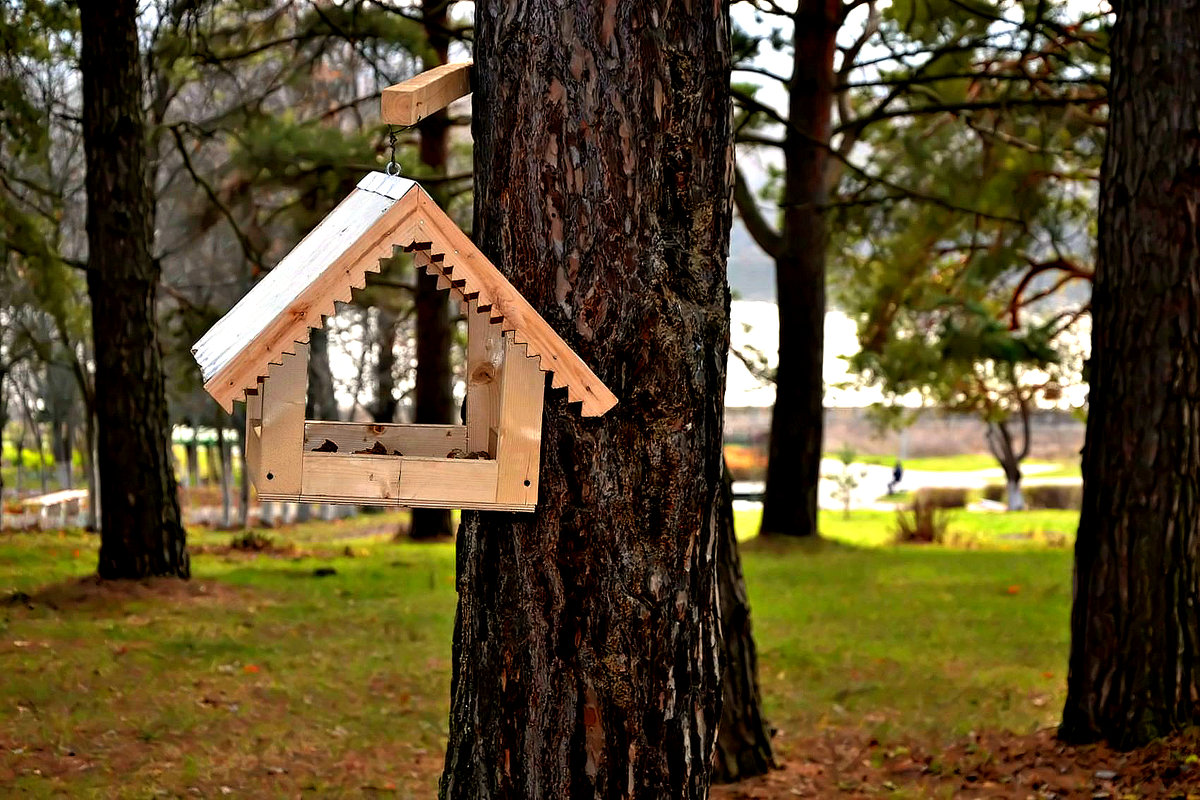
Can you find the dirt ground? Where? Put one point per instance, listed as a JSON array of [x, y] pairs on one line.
[[986, 765]]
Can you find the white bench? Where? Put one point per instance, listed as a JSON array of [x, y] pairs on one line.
[[61, 500]]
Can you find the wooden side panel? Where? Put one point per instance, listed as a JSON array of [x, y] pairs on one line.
[[283, 394], [415, 99], [456, 483], [400, 481], [519, 446], [370, 479], [254, 435], [485, 366], [429, 441]]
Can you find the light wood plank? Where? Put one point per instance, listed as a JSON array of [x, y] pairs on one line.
[[519, 449], [485, 365], [431, 441], [399, 480], [418, 97], [283, 394], [254, 436]]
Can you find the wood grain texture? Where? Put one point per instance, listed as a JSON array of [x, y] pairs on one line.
[[400, 481], [485, 367], [428, 441], [1135, 624], [519, 444], [283, 394], [423, 95]]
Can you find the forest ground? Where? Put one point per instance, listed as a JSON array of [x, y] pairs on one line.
[[319, 664]]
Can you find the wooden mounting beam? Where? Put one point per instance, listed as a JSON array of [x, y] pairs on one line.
[[418, 97]]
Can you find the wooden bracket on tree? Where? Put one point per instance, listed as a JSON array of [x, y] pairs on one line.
[[418, 97]]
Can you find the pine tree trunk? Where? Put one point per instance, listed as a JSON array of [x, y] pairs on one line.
[[1135, 631], [435, 329], [226, 472], [744, 738], [797, 420], [586, 640], [141, 531]]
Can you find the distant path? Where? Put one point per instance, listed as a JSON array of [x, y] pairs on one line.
[[875, 478]]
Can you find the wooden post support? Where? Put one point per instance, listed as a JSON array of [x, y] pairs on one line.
[[519, 446], [485, 367], [415, 99], [283, 396]]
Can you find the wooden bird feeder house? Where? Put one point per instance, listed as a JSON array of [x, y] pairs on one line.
[[258, 352]]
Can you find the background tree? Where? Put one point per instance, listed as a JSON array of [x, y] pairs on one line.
[[141, 530], [585, 642], [1134, 625], [898, 63]]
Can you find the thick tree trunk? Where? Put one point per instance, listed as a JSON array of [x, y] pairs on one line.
[[1135, 631], [797, 420], [435, 328], [141, 532], [586, 641], [744, 738]]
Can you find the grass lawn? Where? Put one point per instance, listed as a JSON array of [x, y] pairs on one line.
[[263, 678]]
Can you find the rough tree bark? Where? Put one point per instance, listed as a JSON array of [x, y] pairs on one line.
[[744, 738], [797, 420], [1135, 632], [141, 532], [435, 329], [586, 641]]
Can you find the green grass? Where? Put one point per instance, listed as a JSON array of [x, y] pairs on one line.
[[273, 682]]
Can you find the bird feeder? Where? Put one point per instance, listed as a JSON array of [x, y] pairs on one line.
[[258, 353]]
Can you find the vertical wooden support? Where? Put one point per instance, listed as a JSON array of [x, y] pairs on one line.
[[283, 396], [254, 434], [519, 446], [485, 368]]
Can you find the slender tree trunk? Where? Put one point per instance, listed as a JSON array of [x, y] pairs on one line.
[[226, 471], [141, 533], [744, 738], [193, 462], [322, 399], [1135, 630], [586, 640], [435, 329], [239, 420], [385, 404], [797, 420]]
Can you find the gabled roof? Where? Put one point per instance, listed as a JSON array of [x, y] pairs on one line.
[[384, 212]]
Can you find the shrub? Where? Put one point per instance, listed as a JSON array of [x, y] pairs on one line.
[[1054, 495], [941, 497], [923, 524], [252, 541], [996, 492]]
